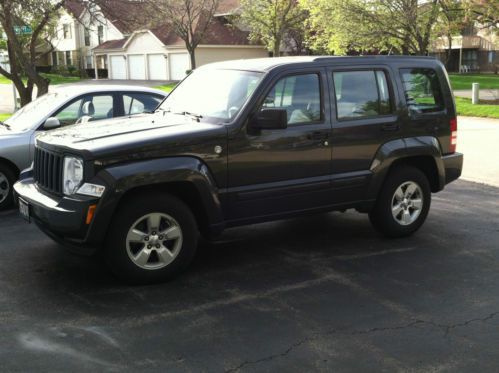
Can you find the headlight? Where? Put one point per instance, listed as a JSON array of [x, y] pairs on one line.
[[72, 175]]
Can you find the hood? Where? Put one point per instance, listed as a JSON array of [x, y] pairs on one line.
[[127, 134]]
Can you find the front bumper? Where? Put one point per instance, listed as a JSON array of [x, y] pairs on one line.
[[62, 218], [453, 164]]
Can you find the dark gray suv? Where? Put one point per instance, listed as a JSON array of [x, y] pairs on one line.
[[244, 142]]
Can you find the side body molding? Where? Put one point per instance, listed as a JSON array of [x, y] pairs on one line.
[[160, 172], [397, 150]]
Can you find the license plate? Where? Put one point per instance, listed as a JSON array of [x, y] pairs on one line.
[[24, 210]]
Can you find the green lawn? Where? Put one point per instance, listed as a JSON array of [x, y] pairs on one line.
[[54, 79], [166, 87], [464, 107], [464, 81]]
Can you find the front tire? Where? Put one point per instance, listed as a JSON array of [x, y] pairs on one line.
[[403, 203], [7, 179], [151, 239]]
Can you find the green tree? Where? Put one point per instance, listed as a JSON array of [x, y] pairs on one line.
[[22, 48], [269, 21], [404, 26]]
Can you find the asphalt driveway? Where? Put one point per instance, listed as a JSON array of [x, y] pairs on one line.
[[323, 293]]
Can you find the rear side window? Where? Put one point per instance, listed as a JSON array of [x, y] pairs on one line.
[[137, 103], [361, 94], [422, 90]]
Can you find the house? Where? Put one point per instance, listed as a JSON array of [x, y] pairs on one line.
[[476, 49], [79, 29], [157, 53]]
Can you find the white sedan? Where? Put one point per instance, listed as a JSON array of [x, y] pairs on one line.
[[64, 106]]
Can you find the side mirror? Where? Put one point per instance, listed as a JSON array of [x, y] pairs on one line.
[[270, 119], [51, 123]]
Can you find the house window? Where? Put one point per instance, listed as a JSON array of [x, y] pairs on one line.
[[89, 62], [87, 37], [68, 58], [100, 34], [491, 56], [54, 58], [66, 29]]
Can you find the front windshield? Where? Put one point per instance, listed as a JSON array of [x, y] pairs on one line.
[[29, 115], [210, 93]]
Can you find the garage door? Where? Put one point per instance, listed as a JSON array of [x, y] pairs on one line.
[[157, 67], [137, 67], [179, 63], [118, 67]]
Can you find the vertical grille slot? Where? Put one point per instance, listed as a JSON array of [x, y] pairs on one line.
[[47, 170]]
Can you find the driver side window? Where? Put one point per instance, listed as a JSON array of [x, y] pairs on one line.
[[299, 95], [70, 113]]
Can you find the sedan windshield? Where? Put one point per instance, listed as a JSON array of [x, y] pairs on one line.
[[29, 115], [209, 93]]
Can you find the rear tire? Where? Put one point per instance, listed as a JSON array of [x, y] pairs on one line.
[[152, 239], [403, 203], [7, 180]]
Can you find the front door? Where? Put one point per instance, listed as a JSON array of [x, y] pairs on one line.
[[283, 170]]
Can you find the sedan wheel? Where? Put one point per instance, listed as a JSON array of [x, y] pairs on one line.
[[4, 187]]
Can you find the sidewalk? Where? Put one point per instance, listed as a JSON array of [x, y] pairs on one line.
[[478, 139], [485, 94]]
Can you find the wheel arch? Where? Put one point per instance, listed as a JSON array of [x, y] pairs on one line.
[[13, 167], [186, 178], [421, 152]]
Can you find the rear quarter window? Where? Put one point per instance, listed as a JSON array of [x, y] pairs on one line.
[[422, 89]]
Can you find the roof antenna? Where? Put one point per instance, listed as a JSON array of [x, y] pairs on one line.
[[390, 51]]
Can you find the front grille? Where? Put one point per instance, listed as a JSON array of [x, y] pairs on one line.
[[47, 170]]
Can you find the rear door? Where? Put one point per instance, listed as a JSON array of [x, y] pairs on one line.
[[365, 116]]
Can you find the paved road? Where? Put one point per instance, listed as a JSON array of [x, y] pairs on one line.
[[478, 139], [322, 293], [485, 94]]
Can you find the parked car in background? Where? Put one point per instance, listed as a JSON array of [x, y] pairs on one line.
[[63, 107]]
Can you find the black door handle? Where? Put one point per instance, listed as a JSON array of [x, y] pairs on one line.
[[390, 127], [318, 135]]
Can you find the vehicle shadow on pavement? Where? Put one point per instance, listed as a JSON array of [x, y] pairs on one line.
[[261, 291]]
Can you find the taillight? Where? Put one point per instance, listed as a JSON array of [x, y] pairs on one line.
[[453, 135]]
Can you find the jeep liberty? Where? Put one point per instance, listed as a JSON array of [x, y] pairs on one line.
[[243, 142]]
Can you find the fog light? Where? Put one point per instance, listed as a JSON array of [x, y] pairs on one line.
[[92, 190]]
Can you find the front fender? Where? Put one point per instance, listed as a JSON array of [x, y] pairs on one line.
[[123, 178], [397, 150]]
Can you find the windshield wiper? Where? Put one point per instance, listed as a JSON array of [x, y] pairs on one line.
[[5, 124], [197, 117]]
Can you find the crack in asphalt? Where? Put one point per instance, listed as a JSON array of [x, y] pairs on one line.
[[445, 327]]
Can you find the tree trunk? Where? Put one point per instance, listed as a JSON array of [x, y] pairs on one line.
[[42, 86], [192, 54], [25, 93], [277, 48]]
